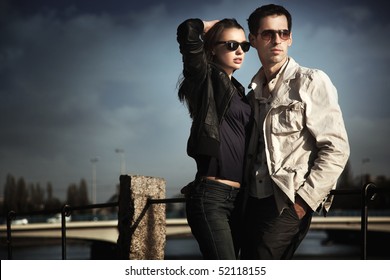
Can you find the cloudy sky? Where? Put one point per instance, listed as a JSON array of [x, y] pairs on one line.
[[80, 79]]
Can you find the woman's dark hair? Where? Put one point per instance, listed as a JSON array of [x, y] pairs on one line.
[[210, 38]]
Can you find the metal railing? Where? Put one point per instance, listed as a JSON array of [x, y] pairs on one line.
[[65, 211], [367, 193]]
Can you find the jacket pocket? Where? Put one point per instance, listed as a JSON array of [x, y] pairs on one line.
[[287, 119]]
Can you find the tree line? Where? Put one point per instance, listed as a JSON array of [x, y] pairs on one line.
[[23, 197], [353, 202]]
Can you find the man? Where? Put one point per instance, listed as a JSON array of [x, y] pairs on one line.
[[298, 146]]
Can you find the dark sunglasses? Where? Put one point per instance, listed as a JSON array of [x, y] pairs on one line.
[[233, 45], [269, 34]]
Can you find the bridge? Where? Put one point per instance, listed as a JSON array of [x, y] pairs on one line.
[[107, 231]]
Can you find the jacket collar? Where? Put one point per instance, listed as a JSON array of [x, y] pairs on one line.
[[287, 74]]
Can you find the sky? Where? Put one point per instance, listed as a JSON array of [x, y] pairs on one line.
[[82, 80]]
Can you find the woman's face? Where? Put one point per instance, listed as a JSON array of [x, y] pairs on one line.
[[230, 60]]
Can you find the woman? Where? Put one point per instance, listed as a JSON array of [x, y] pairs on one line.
[[212, 51]]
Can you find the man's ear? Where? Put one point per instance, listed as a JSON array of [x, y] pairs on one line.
[[252, 40], [290, 40]]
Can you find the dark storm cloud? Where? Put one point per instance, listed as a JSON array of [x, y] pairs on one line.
[[76, 87], [115, 7], [78, 80]]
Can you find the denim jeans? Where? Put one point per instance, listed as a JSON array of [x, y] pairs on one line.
[[268, 235], [213, 216]]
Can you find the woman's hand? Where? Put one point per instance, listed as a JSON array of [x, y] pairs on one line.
[[208, 24]]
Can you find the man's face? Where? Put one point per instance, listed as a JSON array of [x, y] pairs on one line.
[[272, 40]]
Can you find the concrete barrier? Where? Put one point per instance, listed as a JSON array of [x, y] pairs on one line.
[[141, 225]]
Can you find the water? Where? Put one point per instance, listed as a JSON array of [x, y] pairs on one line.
[[314, 246], [35, 251]]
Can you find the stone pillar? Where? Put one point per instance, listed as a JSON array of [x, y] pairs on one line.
[[141, 225]]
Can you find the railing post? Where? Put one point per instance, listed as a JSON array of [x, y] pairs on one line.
[[363, 223], [364, 217], [64, 214], [10, 217]]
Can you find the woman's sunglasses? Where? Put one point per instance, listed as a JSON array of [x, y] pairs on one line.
[[233, 45]]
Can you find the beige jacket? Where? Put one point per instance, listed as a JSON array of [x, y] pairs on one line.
[[305, 138]]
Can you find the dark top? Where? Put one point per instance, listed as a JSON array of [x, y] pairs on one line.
[[233, 131]]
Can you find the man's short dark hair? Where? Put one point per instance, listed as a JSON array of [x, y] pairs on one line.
[[264, 11]]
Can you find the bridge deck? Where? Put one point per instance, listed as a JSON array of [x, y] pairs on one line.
[[107, 230]]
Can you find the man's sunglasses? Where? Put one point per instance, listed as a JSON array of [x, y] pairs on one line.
[[269, 34], [233, 45]]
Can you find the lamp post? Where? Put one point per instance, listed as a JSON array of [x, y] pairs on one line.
[[94, 184], [121, 153]]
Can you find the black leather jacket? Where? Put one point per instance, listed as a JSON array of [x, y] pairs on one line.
[[210, 90]]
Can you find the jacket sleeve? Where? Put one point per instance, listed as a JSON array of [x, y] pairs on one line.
[[325, 122], [191, 47]]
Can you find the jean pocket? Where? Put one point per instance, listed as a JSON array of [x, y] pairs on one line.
[[290, 211]]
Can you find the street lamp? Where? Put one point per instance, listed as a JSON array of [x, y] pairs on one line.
[[93, 193], [121, 153]]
